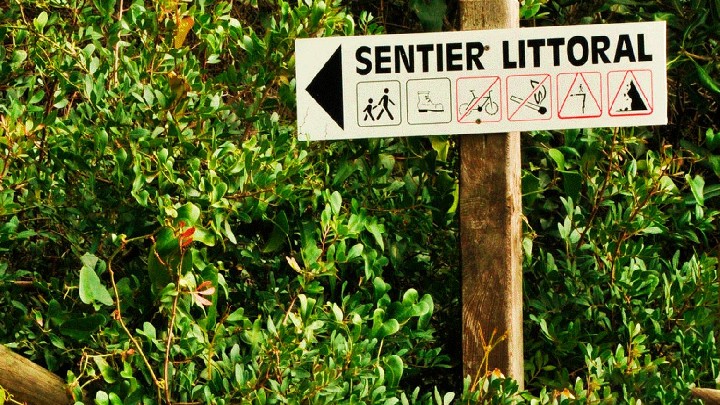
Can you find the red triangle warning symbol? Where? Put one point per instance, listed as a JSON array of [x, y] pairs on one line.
[[631, 92], [581, 95]]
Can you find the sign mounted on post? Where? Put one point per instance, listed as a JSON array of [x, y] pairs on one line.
[[486, 81]]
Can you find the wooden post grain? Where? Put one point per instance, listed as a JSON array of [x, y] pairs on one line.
[[29, 383], [490, 225], [709, 396]]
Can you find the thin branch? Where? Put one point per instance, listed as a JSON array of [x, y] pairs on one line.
[[170, 338], [599, 195], [159, 384], [117, 45], [699, 57]]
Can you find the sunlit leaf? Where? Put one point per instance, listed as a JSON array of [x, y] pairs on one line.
[[183, 28], [393, 370], [91, 288]]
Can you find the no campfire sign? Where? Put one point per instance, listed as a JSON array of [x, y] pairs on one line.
[[486, 81]]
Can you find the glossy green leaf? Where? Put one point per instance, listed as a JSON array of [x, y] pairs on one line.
[[558, 158], [91, 289], [377, 231], [712, 139], [335, 202], [394, 368], [41, 20], [83, 328], [355, 251], [189, 213], [706, 79], [697, 185], [108, 373]]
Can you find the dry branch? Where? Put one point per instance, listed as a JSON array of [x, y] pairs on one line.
[[709, 396], [29, 383]]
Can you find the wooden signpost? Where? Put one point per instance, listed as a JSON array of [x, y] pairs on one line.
[[490, 211], [484, 83]]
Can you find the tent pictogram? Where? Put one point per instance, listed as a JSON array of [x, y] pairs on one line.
[[478, 99], [529, 97], [630, 92], [580, 95]]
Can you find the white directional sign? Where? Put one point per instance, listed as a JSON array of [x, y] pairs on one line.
[[488, 81]]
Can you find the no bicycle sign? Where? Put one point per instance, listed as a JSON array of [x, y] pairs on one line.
[[481, 81]]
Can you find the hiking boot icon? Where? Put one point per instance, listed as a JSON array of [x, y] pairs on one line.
[[425, 103]]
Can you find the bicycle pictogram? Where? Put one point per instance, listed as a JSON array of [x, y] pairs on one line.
[[480, 103], [479, 99]]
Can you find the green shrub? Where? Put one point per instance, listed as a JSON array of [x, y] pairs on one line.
[[180, 244], [621, 286]]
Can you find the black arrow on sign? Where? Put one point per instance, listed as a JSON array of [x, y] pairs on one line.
[[326, 87]]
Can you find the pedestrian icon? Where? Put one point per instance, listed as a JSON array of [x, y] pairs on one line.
[[580, 95], [428, 101], [529, 97], [631, 92], [478, 99], [378, 103], [384, 104], [369, 111]]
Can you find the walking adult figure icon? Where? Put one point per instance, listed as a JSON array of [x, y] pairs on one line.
[[384, 103]]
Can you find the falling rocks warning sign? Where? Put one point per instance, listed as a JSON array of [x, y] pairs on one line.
[[481, 81]]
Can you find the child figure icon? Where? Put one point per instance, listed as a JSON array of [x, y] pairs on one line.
[[369, 111]]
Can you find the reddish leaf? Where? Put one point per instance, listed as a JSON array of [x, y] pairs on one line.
[[205, 288], [186, 237], [200, 300]]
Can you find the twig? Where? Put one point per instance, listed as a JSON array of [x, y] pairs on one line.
[[699, 57], [170, 338], [487, 346], [117, 45], [599, 195], [6, 396], [159, 384]]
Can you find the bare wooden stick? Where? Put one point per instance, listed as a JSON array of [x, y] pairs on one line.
[[490, 226], [709, 396], [29, 383]]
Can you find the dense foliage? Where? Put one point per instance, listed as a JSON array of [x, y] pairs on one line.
[[622, 283], [164, 238]]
